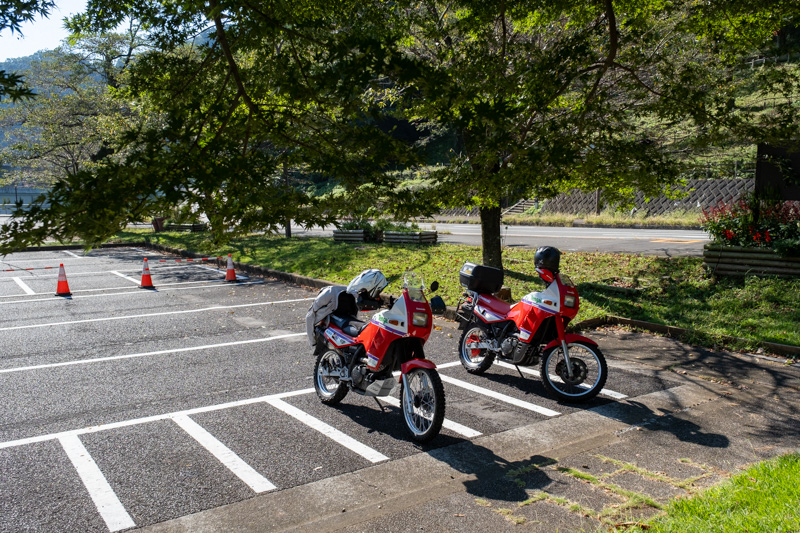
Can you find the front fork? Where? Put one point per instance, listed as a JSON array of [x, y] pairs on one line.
[[562, 337]]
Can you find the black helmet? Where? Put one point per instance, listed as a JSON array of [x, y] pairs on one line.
[[547, 257]]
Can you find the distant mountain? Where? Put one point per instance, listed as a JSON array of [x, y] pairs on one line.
[[18, 64]]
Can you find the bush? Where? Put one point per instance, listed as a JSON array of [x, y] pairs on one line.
[[374, 230], [755, 223]]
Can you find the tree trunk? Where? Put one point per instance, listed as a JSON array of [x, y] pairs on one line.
[[490, 236]]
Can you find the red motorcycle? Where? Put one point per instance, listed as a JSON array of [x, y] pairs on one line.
[[363, 356], [572, 366]]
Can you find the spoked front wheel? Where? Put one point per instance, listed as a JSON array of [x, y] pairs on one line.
[[589, 372], [422, 401], [474, 359], [327, 372]]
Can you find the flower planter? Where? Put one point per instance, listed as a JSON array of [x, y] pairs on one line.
[[348, 235], [186, 227], [410, 237], [738, 261]]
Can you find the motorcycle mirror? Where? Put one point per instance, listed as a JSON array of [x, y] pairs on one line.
[[438, 306], [434, 286]]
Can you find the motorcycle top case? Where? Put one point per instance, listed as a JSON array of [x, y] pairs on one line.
[[481, 278]]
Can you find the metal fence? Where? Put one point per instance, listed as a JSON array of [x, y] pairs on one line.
[[12, 194]]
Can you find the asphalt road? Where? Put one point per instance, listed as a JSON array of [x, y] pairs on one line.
[[125, 407], [663, 242]]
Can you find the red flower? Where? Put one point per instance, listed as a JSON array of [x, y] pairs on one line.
[[728, 234], [757, 237], [767, 237]]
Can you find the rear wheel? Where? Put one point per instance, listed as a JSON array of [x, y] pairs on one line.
[[327, 371], [589, 372], [422, 403], [475, 360]]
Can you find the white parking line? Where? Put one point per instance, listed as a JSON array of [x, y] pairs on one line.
[[145, 354], [103, 496], [148, 419], [220, 271], [137, 291], [148, 315], [76, 256], [348, 442], [23, 286], [605, 392], [123, 276], [225, 455], [154, 269], [455, 427], [498, 396]]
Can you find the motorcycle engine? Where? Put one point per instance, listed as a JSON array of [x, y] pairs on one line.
[[508, 345], [359, 371]]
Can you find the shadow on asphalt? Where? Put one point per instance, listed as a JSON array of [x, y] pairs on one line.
[[637, 414]]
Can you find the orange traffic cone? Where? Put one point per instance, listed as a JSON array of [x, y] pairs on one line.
[[230, 275], [62, 289], [147, 281]]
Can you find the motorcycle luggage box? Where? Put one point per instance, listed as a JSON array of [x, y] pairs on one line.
[[481, 278]]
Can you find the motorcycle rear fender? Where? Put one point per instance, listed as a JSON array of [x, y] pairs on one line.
[[408, 366], [570, 338]]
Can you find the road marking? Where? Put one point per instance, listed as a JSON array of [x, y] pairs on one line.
[[123, 276], [153, 418], [605, 392], [153, 269], [348, 442], [138, 291], [498, 396], [147, 315], [224, 455], [76, 256], [103, 496], [23, 286], [455, 427], [146, 354], [676, 241], [219, 271]]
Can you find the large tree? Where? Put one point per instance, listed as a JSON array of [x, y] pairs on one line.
[[240, 93], [546, 96], [72, 123], [543, 96]]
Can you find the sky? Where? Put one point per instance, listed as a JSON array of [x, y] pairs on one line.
[[41, 34]]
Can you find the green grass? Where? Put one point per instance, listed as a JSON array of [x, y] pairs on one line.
[[677, 218], [763, 498], [669, 291]]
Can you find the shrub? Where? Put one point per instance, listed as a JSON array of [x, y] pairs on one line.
[[374, 230], [755, 223]]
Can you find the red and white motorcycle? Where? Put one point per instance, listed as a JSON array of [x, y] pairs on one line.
[[363, 356], [573, 368]]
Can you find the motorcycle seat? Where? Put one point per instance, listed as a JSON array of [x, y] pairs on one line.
[[349, 325]]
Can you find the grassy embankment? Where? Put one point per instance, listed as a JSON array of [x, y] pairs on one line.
[[669, 291]]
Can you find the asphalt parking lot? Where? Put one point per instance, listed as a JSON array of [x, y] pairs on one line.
[[126, 407]]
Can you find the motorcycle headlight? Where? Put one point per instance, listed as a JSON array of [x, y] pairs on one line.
[[419, 319], [569, 300]]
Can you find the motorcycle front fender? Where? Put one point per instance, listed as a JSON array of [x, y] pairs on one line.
[[408, 366], [570, 338]]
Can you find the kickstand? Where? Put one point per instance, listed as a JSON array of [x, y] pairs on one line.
[[379, 403], [518, 370]]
